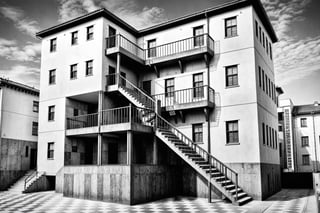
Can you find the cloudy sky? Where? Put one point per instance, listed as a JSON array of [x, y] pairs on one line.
[[296, 22]]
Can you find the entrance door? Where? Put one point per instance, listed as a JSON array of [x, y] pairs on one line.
[[198, 36], [112, 37], [112, 76], [33, 158], [146, 86], [122, 80], [112, 153]]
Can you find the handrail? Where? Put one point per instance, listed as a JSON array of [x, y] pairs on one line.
[[29, 178], [87, 120]]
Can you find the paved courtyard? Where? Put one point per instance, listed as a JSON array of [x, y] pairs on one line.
[[284, 201]]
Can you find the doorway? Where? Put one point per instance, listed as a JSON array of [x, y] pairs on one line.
[[113, 153], [33, 158], [146, 86], [112, 37]]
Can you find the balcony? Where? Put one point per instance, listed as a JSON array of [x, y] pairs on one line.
[[191, 98], [111, 120], [188, 48], [120, 44]]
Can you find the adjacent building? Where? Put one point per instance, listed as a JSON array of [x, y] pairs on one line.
[[299, 135], [19, 107], [133, 115]]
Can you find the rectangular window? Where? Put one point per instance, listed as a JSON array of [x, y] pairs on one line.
[[35, 128], [198, 91], [35, 107], [27, 151], [169, 87], [232, 132], [276, 137], [263, 134], [50, 151], [231, 27], [272, 134], [303, 122], [269, 83], [74, 147], [270, 49], [232, 76], [262, 78], [52, 76], [197, 133], [272, 91], [267, 46], [306, 160], [75, 112], [260, 36], [152, 51], [259, 76], [267, 89], [111, 77], [53, 45], [51, 113], [304, 141], [257, 30], [89, 67], [263, 43], [74, 38], [198, 36], [73, 71], [90, 33], [280, 128], [267, 135]]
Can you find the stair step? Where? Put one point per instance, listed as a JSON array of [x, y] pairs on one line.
[[230, 187], [225, 182], [233, 191], [221, 177], [240, 195], [215, 174], [244, 200]]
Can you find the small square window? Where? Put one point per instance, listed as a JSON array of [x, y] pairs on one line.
[[90, 33], [50, 151], [232, 129], [53, 45], [197, 133], [303, 122], [231, 27], [232, 76]]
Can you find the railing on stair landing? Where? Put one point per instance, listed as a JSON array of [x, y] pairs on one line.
[[161, 123], [29, 178]]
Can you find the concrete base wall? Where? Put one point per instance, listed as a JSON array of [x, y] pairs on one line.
[[14, 160], [259, 180]]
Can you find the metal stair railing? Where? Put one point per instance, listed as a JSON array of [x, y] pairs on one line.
[[228, 173], [30, 177]]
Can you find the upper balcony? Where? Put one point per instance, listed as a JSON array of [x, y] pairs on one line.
[[188, 48], [191, 98], [111, 120]]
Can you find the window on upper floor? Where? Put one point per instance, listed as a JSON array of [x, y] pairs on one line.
[[73, 71], [304, 141], [89, 67], [257, 30], [263, 134], [169, 87], [89, 33], [75, 112], [198, 90], [35, 128], [260, 35], [270, 50], [306, 160], [50, 150], [280, 116], [232, 76], [232, 132], [267, 89], [35, 107], [74, 38], [231, 27], [270, 136], [280, 128], [276, 138], [53, 45], [198, 36], [263, 41], [152, 51], [273, 139], [267, 46], [51, 110], [259, 76], [303, 122], [197, 133], [267, 134], [262, 79], [52, 77]]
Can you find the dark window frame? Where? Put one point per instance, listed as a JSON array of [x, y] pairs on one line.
[[89, 33], [169, 89], [52, 76], [263, 134], [260, 83], [198, 89], [305, 160], [304, 141], [74, 38], [233, 76], [73, 71], [230, 134], [232, 29], [35, 106], [50, 151], [152, 50], [89, 69], [51, 112], [257, 29], [35, 126], [197, 133], [53, 45], [27, 151], [303, 122], [198, 39]]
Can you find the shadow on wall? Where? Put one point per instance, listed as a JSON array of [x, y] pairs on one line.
[[295, 180]]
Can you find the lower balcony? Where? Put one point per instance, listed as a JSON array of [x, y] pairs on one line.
[[191, 98], [111, 120]]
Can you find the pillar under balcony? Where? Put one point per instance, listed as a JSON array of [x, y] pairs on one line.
[[129, 147]]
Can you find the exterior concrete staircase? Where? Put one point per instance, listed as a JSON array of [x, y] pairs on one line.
[[217, 173], [18, 186]]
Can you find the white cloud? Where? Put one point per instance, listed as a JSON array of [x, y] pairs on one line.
[[125, 9], [22, 23], [25, 74], [10, 50], [294, 58]]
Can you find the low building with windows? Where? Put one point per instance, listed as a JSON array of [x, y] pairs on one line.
[[19, 107], [299, 135], [185, 107]]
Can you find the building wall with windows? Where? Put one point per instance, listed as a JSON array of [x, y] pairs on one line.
[[19, 107]]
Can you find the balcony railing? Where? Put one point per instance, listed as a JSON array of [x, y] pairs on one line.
[[82, 121], [186, 96], [172, 48], [123, 42], [128, 114]]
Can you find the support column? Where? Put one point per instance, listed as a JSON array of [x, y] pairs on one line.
[[129, 147], [155, 151], [100, 108], [118, 68]]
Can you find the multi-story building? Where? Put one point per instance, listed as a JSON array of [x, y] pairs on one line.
[[299, 132], [19, 106], [134, 115]]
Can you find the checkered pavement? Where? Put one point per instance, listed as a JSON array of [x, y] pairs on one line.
[[53, 202]]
